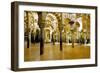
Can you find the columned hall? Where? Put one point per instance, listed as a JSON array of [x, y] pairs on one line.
[[56, 36]]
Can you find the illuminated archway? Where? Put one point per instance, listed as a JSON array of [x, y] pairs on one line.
[[51, 25]]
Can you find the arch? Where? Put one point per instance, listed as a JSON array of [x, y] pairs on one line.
[[35, 25], [31, 21], [59, 17], [79, 20], [47, 35], [51, 21], [57, 37]]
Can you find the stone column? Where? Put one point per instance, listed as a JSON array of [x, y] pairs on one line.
[[27, 15], [72, 31], [41, 40], [72, 38], [60, 40], [61, 28], [41, 25]]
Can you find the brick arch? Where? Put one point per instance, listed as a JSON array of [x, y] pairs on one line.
[[58, 16], [52, 16]]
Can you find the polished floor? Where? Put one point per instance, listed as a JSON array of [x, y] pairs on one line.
[[52, 52]]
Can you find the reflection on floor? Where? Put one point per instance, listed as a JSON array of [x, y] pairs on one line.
[[52, 52]]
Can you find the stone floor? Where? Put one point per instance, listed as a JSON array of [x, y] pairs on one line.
[[52, 52]]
